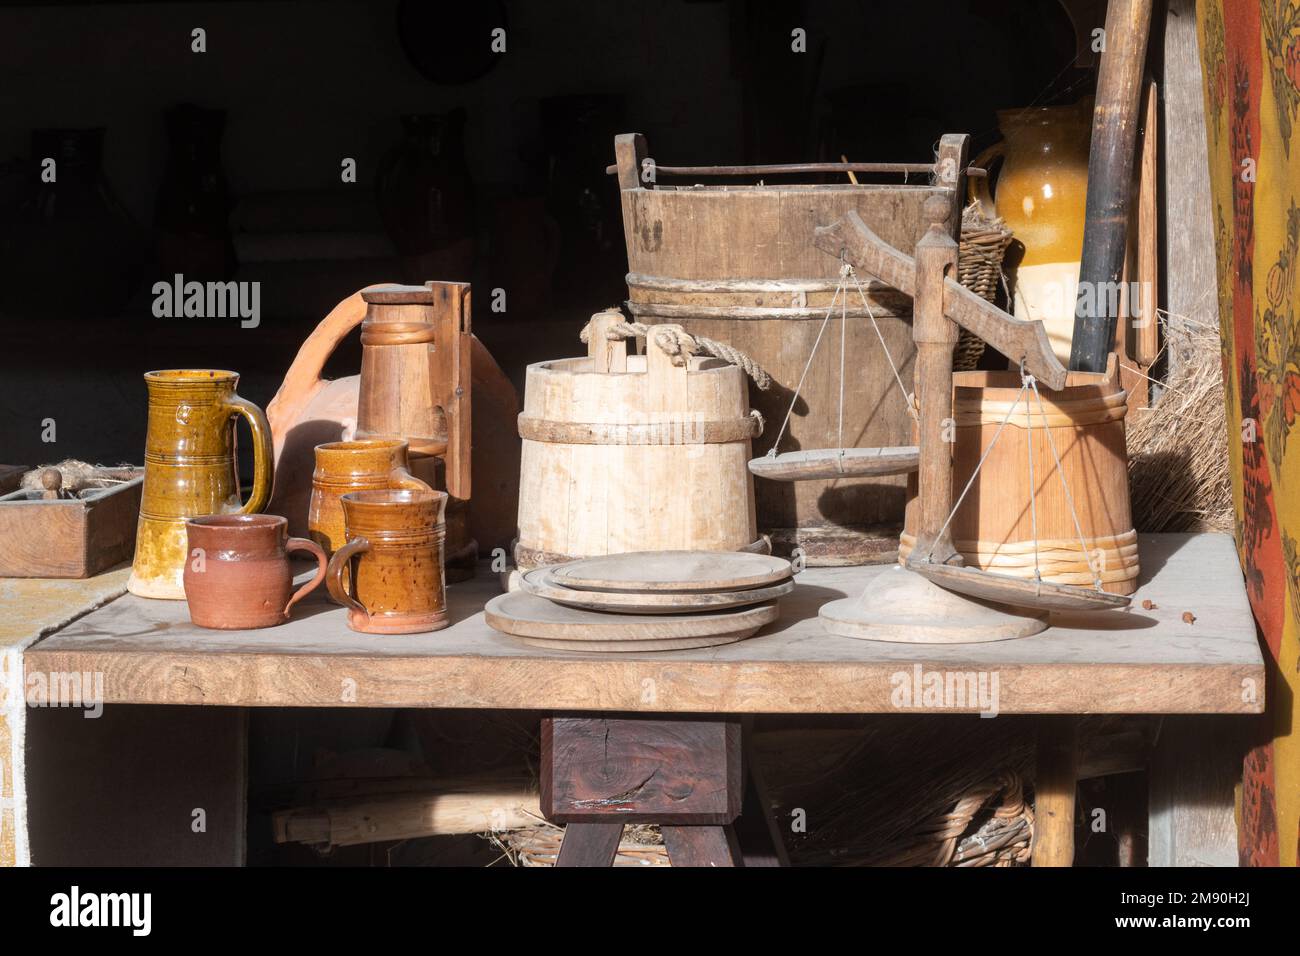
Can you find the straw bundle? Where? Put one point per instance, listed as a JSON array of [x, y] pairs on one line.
[[1178, 452], [909, 791]]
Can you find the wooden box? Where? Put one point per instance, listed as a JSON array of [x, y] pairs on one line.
[[68, 538]]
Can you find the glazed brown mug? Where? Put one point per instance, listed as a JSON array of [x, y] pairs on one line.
[[237, 572], [366, 464], [394, 556]]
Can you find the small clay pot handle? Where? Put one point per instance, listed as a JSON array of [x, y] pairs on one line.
[[322, 566], [334, 573]]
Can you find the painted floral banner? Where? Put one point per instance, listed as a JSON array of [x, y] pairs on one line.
[[1250, 51]]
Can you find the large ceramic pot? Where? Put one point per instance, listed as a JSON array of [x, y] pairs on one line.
[[1041, 194]]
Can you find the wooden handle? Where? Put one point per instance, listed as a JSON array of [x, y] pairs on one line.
[[263, 453], [1110, 178], [322, 566], [334, 573]]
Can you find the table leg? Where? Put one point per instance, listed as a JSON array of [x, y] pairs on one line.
[[589, 844], [1055, 783]]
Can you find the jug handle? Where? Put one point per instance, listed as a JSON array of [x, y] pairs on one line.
[[977, 187], [303, 380], [334, 573], [263, 459], [322, 566], [406, 481]]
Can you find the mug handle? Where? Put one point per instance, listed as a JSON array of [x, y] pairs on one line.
[[263, 457], [334, 573], [322, 566], [403, 479]]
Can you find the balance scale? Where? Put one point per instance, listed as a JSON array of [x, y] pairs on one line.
[[932, 598]]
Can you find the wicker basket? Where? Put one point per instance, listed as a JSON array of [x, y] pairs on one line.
[[984, 242]]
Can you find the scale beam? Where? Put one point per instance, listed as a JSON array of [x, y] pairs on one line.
[[1018, 340]]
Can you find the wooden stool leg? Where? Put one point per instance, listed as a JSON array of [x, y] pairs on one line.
[[702, 846], [1054, 788], [589, 844]]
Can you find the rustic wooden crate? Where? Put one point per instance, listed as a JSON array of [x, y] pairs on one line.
[[69, 538]]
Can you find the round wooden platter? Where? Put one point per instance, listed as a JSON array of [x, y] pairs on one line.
[[538, 582], [1018, 592], [816, 463], [526, 615], [630, 647], [683, 572]]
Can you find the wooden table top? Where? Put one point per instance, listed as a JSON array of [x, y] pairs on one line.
[[1132, 661]]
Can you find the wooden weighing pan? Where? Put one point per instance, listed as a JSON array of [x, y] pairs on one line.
[[1018, 592], [539, 582], [526, 615], [672, 572]]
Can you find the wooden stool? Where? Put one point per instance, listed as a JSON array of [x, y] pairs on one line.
[[599, 773]]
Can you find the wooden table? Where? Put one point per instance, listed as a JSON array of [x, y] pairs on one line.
[[1126, 662]]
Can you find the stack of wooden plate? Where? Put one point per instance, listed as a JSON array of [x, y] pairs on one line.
[[644, 601]]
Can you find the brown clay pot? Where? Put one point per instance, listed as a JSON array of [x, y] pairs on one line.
[[394, 556], [366, 464], [237, 571]]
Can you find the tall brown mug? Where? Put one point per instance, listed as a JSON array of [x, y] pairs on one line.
[[394, 558]]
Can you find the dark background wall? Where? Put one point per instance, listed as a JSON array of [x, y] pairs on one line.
[[304, 85]]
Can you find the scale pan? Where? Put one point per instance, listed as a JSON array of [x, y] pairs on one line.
[[1018, 592], [837, 463]]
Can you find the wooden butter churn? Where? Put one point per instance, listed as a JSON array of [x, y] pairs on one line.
[[415, 385]]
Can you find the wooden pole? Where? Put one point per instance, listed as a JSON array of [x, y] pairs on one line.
[[1055, 782], [1110, 177], [935, 336]]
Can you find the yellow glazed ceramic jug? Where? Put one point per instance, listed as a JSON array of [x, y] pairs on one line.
[[1042, 191], [189, 469]]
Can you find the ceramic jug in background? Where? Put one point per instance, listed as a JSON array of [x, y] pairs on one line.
[[394, 553], [237, 572], [366, 464], [190, 470], [1041, 195]]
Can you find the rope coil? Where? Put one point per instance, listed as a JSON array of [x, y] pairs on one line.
[[679, 346]]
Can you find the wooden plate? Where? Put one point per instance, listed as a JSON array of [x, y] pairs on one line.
[[816, 463], [1018, 592], [626, 647], [675, 571], [538, 581], [526, 615]]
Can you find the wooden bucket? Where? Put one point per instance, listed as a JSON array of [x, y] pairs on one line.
[[993, 528], [633, 453], [737, 263]]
